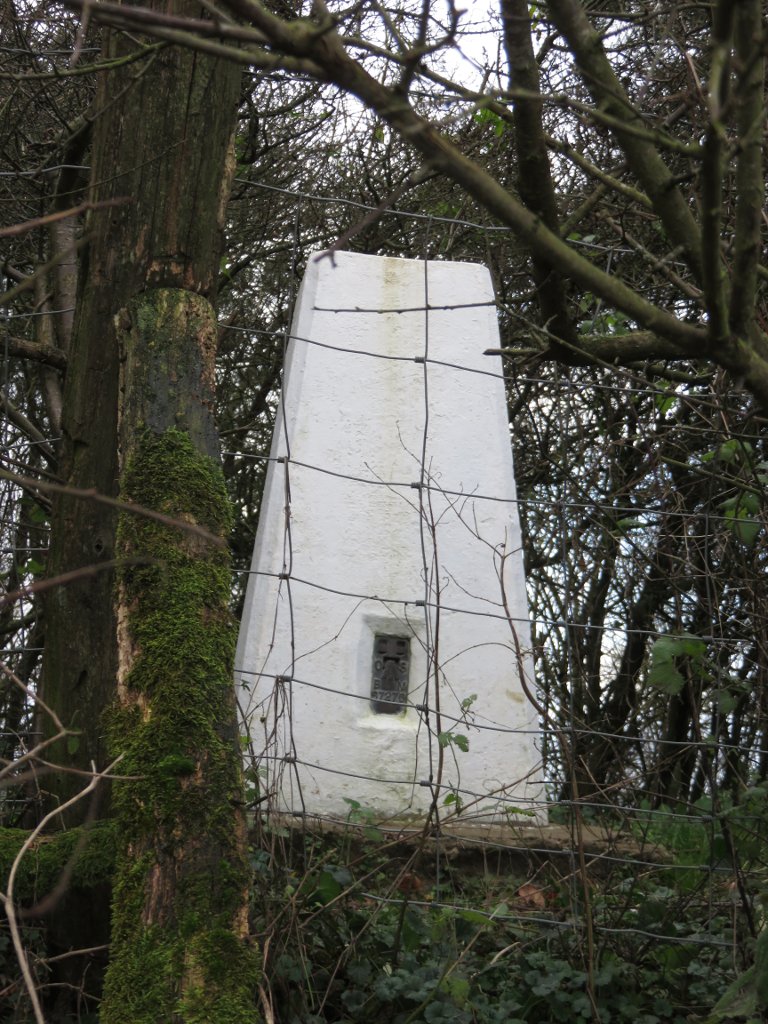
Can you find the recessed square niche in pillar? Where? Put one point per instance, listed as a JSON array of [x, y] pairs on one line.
[[384, 653]]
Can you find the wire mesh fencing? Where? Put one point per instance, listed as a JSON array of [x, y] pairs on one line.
[[640, 852], [632, 847]]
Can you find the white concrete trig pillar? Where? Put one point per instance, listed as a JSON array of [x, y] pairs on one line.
[[384, 651]]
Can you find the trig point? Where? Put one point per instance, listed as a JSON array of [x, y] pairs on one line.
[[384, 652]]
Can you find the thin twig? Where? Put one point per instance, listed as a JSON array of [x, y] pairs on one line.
[[51, 218], [91, 494]]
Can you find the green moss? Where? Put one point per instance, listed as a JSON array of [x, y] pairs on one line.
[[221, 974], [169, 339], [181, 866], [168, 474], [181, 630], [142, 987], [232, 965], [176, 764], [89, 852]]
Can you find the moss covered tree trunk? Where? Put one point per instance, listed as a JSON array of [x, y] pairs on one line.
[[179, 924], [142, 663]]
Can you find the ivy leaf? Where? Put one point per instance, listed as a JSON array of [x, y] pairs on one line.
[[322, 889]]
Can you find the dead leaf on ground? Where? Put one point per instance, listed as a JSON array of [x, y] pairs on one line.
[[533, 895]]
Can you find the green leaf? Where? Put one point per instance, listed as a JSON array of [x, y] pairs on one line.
[[454, 800], [628, 524], [728, 451], [750, 503], [457, 988], [665, 402], [411, 933], [726, 701], [761, 969], [474, 917], [322, 888], [459, 740], [664, 674], [492, 119], [37, 515], [359, 971], [745, 528], [733, 450], [341, 873], [739, 1000], [666, 678], [675, 645], [524, 812]]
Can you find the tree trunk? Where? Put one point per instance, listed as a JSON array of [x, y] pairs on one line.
[[142, 665]]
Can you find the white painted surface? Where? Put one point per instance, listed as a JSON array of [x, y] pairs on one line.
[[354, 553]]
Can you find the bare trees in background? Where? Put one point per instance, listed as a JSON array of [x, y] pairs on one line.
[[606, 163], [623, 151]]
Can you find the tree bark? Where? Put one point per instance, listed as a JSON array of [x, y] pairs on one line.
[[142, 664], [150, 119]]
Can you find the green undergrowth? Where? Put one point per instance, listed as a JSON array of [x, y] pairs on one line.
[[359, 927], [358, 930]]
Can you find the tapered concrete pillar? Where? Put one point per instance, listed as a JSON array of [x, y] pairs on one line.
[[384, 652]]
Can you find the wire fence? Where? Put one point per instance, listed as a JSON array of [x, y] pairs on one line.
[[641, 820], [588, 835]]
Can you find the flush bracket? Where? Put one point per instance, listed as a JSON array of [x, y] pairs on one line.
[[389, 676]]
